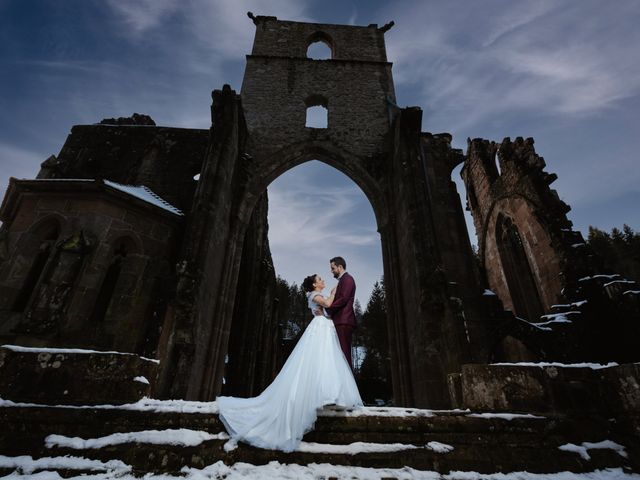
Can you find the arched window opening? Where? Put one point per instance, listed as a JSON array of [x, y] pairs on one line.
[[319, 50], [48, 236], [110, 281], [320, 46], [517, 271]]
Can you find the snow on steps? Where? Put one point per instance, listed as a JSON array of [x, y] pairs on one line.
[[435, 441]]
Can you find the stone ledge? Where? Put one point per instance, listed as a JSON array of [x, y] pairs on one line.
[[551, 388], [73, 376]]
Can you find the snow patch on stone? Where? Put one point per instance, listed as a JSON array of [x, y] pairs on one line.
[[382, 412], [504, 416], [182, 437], [313, 471], [141, 379], [599, 276], [18, 348], [27, 464], [143, 405], [616, 282], [593, 366], [354, 448], [439, 447], [583, 448]]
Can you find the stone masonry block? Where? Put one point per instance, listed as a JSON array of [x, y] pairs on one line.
[[523, 388], [73, 377]]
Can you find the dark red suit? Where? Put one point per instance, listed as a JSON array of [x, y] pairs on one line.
[[342, 314]]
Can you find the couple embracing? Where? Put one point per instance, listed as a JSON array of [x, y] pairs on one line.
[[317, 373]]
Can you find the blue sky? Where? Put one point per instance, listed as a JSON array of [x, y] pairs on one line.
[[566, 72]]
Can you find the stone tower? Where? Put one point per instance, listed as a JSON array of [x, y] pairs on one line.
[[280, 83], [261, 133]]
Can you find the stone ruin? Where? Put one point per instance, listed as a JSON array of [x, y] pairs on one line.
[[137, 263]]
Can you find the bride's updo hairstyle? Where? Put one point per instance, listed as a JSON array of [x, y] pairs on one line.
[[307, 283]]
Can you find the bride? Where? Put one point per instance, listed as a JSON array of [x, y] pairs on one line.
[[315, 374]]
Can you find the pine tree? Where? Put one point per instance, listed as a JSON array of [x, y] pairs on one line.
[[374, 375], [619, 250]]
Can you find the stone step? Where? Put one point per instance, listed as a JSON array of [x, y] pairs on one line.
[[482, 444], [145, 458], [28, 426]]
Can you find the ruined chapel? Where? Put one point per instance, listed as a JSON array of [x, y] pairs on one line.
[[150, 242]]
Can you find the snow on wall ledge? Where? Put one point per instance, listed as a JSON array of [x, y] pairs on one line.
[[18, 348]]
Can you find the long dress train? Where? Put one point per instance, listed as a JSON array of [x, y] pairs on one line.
[[315, 374]]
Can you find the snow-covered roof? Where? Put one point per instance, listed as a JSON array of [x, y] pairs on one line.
[[141, 192], [144, 193]]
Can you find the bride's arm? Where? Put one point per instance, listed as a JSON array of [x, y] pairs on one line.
[[325, 302]]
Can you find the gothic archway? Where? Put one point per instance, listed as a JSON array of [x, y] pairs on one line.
[[315, 212]]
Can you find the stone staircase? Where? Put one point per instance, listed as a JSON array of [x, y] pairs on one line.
[[388, 440]]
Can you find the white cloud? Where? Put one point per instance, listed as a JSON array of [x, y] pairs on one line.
[[219, 26], [142, 15], [554, 57], [314, 212]]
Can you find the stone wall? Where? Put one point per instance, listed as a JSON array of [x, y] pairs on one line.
[[279, 84], [517, 197], [161, 158], [283, 38], [102, 282], [254, 351], [458, 260]]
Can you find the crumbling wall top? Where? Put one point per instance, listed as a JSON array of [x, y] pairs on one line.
[[280, 38]]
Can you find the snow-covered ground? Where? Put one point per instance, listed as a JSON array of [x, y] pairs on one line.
[[274, 470]]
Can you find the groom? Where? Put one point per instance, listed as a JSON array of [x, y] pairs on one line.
[[341, 310]]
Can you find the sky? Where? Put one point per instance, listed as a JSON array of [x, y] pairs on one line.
[[566, 72]]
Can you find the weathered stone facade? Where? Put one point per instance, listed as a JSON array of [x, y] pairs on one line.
[[525, 240], [189, 280], [87, 266]]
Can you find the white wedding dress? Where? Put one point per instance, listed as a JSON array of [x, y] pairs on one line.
[[315, 374]]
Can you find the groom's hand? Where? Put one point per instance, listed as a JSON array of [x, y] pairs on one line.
[[317, 312]]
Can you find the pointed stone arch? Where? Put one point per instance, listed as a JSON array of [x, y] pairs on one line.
[[38, 245], [291, 156]]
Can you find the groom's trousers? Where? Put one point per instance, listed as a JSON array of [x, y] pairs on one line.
[[345, 332]]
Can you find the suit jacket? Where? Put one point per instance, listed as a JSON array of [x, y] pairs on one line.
[[341, 310]]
